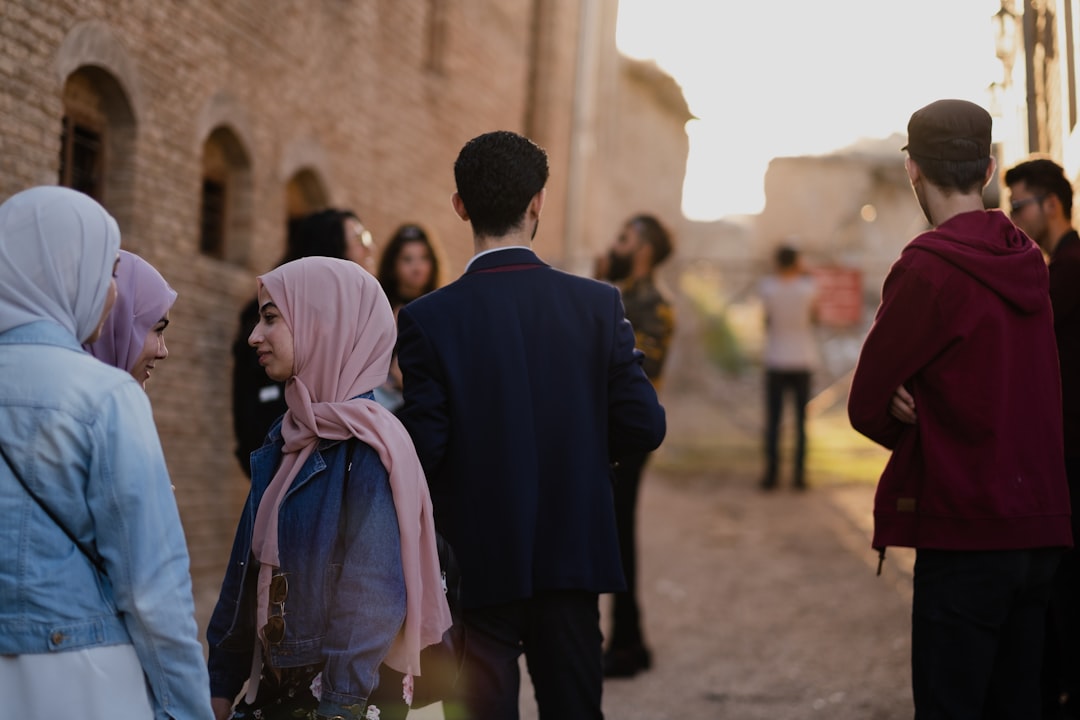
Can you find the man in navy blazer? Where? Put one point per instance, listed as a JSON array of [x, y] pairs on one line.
[[522, 387]]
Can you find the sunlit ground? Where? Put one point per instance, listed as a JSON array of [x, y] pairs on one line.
[[836, 454], [839, 454], [716, 408]]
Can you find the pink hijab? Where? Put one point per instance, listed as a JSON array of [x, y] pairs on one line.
[[142, 298], [343, 337]]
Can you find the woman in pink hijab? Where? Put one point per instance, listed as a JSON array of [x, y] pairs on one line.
[[333, 586], [133, 337]]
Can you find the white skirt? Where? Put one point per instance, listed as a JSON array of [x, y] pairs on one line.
[[94, 683]]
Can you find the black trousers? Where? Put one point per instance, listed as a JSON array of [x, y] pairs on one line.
[[626, 614], [978, 621], [778, 383], [559, 633], [1061, 659], [389, 696]]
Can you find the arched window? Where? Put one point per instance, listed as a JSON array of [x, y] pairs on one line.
[[305, 193], [226, 198], [97, 139]]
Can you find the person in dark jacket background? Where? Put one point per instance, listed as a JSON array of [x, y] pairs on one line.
[[958, 377], [1041, 202], [642, 245]]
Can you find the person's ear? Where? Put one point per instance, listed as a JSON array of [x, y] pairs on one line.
[[459, 207], [536, 205], [990, 168], [912, 168], [1055, 204]]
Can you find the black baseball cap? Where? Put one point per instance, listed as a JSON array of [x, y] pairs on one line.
[[949, 130]]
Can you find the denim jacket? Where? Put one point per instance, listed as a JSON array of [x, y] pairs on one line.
[[81, 434], [340, 549]]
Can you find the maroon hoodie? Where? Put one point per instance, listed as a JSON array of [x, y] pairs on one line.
[[965, 325]]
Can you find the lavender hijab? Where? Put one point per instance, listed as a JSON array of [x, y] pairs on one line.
[[343, 337], [143, 297], [57, 249]]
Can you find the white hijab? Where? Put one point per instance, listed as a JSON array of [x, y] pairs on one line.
[[57, 250]]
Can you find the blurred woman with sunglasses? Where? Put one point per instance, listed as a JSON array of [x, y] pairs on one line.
[[334, 585], [97, 618]]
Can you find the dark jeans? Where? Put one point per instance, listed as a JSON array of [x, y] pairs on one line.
[[626, 614], [389, 695], [1061, 660], [978, 620], [777, 384], [559, 632]]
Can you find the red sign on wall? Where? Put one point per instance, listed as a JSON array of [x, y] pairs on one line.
[[840, 295]]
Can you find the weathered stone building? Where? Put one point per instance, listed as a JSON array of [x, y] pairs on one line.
[[640, 151], [203, 125], [853, 208]]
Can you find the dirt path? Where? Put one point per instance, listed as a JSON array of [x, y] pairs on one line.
[[763, 606]]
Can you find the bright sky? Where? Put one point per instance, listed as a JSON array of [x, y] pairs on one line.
[[794, 77]]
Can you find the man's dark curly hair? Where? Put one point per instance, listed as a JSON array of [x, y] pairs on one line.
[[497, 174]]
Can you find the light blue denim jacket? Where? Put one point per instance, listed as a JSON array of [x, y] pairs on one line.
[[340, 548], [81, 434]]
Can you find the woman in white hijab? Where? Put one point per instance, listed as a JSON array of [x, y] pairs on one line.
[[96, 612]]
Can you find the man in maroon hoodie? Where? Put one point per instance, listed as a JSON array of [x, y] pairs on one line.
[[959, 378]]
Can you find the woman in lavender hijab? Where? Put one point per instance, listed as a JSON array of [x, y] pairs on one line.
[[133, 337]]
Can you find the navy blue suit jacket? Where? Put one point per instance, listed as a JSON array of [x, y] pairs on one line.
[[522, 385]]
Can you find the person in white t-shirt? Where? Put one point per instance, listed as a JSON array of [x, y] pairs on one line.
[[789, 297]]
